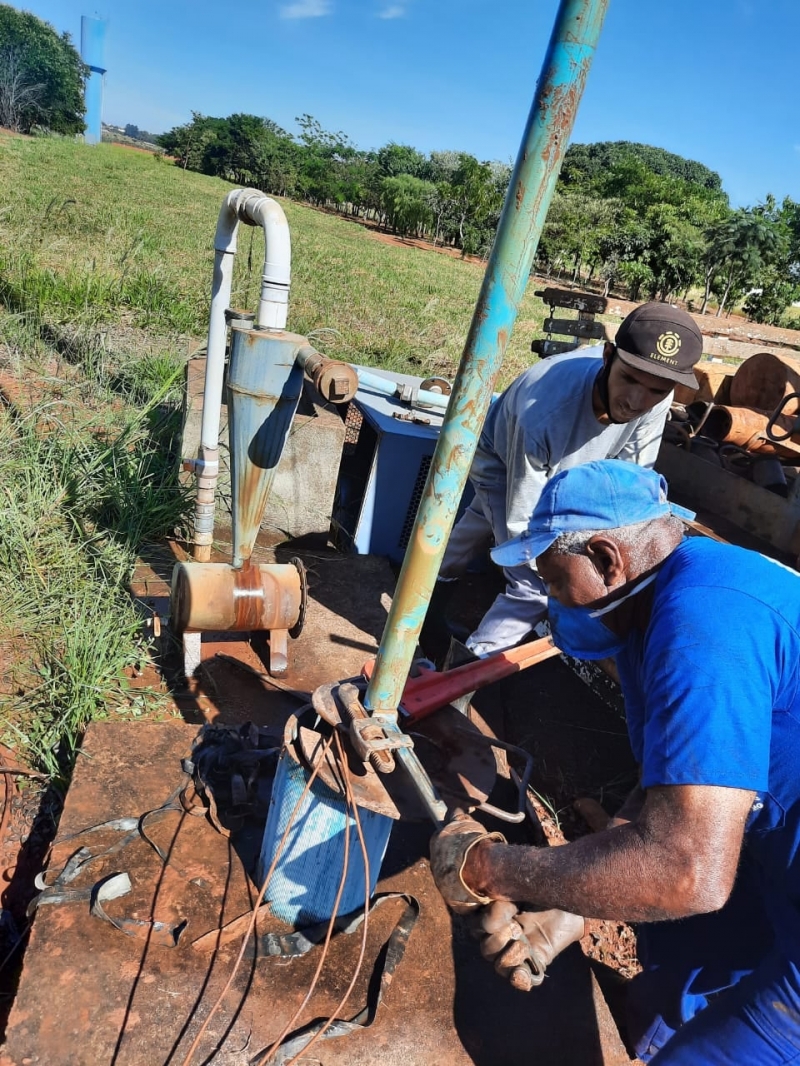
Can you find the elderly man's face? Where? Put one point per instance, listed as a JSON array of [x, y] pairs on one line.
[[573, 580]]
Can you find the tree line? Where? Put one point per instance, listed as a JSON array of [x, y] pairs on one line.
[[629, 217]]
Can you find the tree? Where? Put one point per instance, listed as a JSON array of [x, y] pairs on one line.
[[586, 163], [746, 243], [395, 159], [768, 304], [188, 143], [406, 201], [41, 75]]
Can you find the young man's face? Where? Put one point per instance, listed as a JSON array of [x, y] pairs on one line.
[[632, 392]]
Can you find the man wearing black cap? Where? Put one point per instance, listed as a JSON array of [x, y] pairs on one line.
[[606, 402]]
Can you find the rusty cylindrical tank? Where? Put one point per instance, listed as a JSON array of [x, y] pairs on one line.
[[763, 380], [216, 596]]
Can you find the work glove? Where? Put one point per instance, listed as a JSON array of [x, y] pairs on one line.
[[522, 944], [449, 850]]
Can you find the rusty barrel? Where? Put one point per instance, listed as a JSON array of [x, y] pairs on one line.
[[763, 380]]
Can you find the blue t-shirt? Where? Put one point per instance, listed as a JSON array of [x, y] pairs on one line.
[[712, 697]]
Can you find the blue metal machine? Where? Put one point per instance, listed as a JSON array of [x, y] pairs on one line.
[[387, 455]]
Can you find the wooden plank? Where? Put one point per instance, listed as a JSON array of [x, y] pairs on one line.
[[575, 301], [576, 327]]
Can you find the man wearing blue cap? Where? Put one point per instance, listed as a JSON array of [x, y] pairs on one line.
[[610, 401], [707, 641]]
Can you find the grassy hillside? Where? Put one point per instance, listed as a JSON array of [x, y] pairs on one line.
[[105, 234], [105, 274]]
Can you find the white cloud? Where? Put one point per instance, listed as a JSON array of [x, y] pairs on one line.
[[306, 9], [393, 11]]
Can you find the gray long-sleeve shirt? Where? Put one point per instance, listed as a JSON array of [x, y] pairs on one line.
[[544, 422]]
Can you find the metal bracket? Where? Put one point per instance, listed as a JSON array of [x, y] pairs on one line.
[[391, 740]]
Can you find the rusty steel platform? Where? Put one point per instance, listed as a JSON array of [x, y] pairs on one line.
[[91, 996]]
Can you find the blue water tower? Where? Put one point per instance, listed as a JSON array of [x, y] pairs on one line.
[[93, 53]]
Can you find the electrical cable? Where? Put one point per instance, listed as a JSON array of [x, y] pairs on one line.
[[359, 962], [352, 808], [270, 1051], [251, 925]]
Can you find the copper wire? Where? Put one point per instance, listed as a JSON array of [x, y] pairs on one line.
[[251, 925], [359, 962]]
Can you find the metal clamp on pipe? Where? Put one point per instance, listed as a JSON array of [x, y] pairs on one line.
[[365, 743]]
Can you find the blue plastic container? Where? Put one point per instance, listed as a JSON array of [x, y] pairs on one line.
[[303, 887]]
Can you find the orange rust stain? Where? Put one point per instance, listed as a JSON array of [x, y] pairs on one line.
[[122, 1020], [129, 969]]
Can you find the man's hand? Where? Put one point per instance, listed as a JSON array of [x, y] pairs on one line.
[[522, 944], [449, 850]]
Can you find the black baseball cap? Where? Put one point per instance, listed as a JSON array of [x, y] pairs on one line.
[[661, 340]]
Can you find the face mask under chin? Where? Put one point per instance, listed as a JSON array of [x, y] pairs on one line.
[[602, 389]]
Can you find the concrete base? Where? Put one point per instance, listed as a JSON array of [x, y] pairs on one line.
[[301, 500]]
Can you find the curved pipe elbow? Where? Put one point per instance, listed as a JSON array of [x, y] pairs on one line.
[[259, 210], [278, 254], [228, 223]]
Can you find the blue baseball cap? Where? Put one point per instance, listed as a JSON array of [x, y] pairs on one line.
[[605, 494]]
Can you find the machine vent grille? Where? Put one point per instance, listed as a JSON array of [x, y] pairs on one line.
[[413, 503], [352, 428]]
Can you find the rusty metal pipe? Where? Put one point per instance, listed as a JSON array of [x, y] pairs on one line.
[[560, 87], [336, 382], [736, 425]]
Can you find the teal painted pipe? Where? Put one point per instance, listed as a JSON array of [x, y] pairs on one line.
[[558, 92]]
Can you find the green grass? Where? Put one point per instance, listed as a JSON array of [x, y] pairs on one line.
[[105, 272], [74, 509], [103, 234]]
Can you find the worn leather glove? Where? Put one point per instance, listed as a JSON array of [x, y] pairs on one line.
[[449, 850], [522, 944]]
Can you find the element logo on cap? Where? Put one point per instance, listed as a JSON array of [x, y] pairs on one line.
[[668, 345]]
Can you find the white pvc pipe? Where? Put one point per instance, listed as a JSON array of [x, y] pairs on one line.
[[256, 209], [273, 307], [252, 207]]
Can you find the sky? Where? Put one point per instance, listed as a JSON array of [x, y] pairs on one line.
[[714, 80]]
